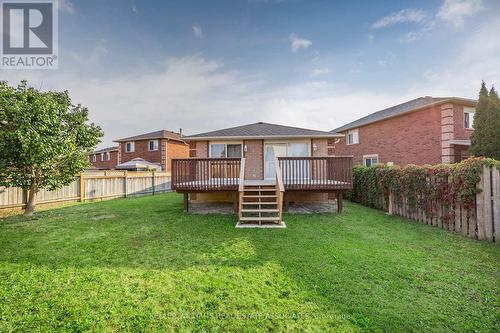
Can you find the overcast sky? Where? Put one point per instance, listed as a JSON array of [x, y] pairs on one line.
[[142, 66]]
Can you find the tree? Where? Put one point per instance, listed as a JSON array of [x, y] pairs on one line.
[[44, 140], [485, 140]]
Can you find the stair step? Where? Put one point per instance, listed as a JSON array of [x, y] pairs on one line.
[[259, 189], [259, 210], [256, 218], [259, 196], [259, 202]]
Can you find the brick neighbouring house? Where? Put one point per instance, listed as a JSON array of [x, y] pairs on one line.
[[158, 147], [259, 167], [426, 130], [104, 159]]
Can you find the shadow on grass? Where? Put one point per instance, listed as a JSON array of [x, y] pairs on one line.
[[383, 273]]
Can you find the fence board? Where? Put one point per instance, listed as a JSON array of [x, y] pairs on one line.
[[495, 196], [93, 185]]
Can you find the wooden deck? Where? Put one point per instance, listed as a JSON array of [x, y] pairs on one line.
[[332, 174]]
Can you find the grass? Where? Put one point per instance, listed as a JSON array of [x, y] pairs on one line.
[[143, 265]]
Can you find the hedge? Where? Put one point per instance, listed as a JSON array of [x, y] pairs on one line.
[[449, 183]]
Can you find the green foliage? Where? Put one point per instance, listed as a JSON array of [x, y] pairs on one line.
[[451, 184], [44, 139], [485, 140], [142, 265]]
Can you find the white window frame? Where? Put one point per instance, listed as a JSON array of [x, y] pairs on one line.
[[370, 157], [470, 114], [107, 156], [224, 143], [94, 158], [156, 145], [355, 133], [132, 147], [102, 157]]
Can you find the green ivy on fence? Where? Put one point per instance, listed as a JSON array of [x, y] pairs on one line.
[[420, 186]]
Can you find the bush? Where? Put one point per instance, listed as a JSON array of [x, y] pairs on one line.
[[451, 184]]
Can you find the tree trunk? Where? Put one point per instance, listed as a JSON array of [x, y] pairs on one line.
[[30, 205]]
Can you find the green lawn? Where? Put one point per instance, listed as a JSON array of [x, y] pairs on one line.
[[141, 265]]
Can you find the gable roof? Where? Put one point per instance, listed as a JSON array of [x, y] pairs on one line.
[[161, 134], [261, 130], [410, 106], [105, 150]]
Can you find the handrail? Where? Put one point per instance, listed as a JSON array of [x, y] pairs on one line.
[[242, 176], [279, 177]]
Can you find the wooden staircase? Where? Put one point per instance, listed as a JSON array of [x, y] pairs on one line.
[[260, 204]]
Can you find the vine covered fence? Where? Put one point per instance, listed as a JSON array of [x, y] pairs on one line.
[[463, 197]]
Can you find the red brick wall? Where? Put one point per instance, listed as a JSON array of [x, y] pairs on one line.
[[201, 150], [111, 164], [461, 133], [254, 159], [175, 149], [411, 138], [141, 151]]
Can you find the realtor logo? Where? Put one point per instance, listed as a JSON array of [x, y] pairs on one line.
[[29, 34]]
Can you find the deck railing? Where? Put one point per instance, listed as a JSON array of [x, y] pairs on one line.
[[316, 173], [206, 174]]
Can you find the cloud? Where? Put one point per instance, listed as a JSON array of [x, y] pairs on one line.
[[455, 11], [462, 75], [319, 71], [67, 6], [297, 43], [198, 32], [411, 15]]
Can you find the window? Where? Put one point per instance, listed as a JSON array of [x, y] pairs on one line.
[[153, 145], [102, 157], [129, 147], [370, 160], [108, 157], [225, 150], [94, 158], [352, 137], [469, 117]]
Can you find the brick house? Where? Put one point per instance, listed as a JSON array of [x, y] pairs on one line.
[[426, 130], [103, 159], [158, 147], [252, 165]]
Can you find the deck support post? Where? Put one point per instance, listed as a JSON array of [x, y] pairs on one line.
[[340, 202], [287, 202], [186, 202]]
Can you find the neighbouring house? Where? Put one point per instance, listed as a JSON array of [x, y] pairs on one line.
[[426, 130], [104, 159], [259, 167], [158, 148]]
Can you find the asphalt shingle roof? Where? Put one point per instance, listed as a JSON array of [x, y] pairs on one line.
[[261, 129], [162, 134], [414, 104], [105, 149]]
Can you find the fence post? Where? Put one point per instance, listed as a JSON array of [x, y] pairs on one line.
[[125, 182], [154, 181], [24, 199], [495, 196], [82, 187], [390, 208]]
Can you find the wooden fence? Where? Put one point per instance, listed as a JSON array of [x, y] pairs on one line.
[[93, 185], [482, 222]]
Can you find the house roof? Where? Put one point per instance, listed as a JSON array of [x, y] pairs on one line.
[[262, 131], [138, 163], [105, 150], [400, 109], [161, 134]]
